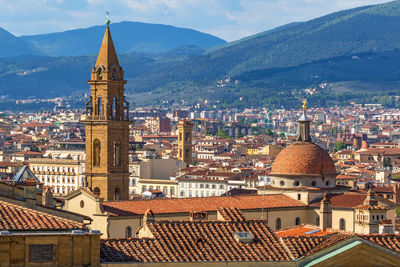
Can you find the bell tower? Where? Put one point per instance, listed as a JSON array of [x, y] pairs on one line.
[[185, 141], [107, 126]]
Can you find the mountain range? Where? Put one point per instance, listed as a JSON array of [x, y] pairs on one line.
[[354, 51]]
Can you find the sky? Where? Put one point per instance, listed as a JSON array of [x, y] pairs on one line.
[[227, 19]]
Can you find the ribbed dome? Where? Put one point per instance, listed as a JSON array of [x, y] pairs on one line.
[[303, 158]]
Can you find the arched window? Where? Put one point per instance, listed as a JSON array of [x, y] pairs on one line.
[[128, 232], [278, 224], [117, 194], [117, 153], [99, 73], [282, 183], [96, 191], [342, 224], [114, 73], [114, 108], [297, 222], [296, 183], [313, 183], [99, 106], [317, 221], [96, 152]]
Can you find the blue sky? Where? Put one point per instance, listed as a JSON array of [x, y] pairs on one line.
[[228, 19]]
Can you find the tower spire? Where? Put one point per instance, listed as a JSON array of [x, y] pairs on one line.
[[107, 55]]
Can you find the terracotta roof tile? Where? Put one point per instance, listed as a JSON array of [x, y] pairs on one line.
[[303, 158], [197, 241], [14, 217], [231, 214], [302, 230], [176, 205], [389, 241]]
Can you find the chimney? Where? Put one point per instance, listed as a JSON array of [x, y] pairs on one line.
[[145, 231], [30, 190], [325, 212]]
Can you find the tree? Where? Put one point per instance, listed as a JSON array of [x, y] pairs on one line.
[[387, 162], [223, 134], [340, 145], [269, 132], [282, 135]]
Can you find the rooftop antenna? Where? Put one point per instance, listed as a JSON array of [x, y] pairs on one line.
[[108, 21]]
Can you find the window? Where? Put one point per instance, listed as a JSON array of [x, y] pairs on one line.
[[313, 183], [114, 107], [282, 183], [317, 221], [221, 186], [278, 224], [297, 222], [99, 106], [172, 191], [96, 152], [296, 183], [96, 191], [327, 183], [213, 186], [82, 204], [128, 232], [298, 196], [117, 194], [342, 224], [117, 153]]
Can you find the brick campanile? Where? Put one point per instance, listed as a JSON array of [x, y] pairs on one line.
[[107, 126]]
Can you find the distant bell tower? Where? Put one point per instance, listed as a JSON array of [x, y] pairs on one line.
[[185, 141], [107, 126]]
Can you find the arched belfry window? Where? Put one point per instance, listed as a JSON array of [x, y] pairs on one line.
[[96, 152], [99, 73], [114, 108], [114, 73], [99, 106], [117, 153], [297, 221]]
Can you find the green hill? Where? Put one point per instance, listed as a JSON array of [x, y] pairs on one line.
[[354, 51]]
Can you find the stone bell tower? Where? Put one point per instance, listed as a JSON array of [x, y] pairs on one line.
[[185, 141], [107, 126]]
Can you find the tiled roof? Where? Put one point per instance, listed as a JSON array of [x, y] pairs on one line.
[[302, 230], [14, 218], [346, 200], [197, 241], [231, 214], [303, 158], [389, 241], [177, 205], [303, 246]]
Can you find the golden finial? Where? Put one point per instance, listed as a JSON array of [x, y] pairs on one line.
[[304, 104]]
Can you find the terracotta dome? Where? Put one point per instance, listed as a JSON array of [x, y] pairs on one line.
[[303, 158]]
